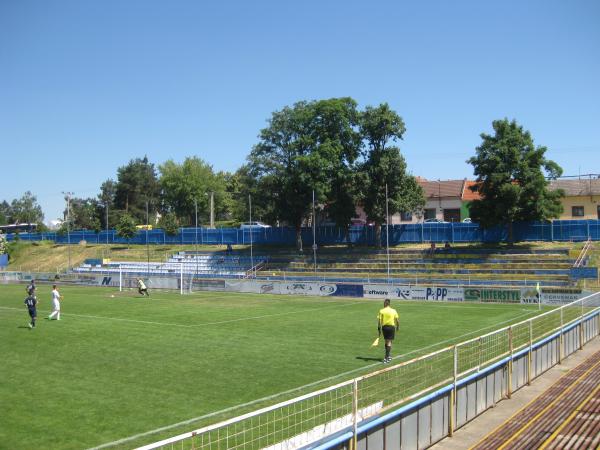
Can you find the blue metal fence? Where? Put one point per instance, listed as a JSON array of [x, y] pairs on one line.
[[558, 230]]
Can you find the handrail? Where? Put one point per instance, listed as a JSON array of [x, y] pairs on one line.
[[583, 253], [254, 269]]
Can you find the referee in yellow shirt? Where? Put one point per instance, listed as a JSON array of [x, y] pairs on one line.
[[387, 321]]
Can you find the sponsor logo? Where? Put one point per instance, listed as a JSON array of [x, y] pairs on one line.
[[106, 281], [266, 288], [402, 293], [374, 292], [328, 288], [493, 295], [299, 287]]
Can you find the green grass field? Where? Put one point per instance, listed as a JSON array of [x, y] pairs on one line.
[[116, 367]]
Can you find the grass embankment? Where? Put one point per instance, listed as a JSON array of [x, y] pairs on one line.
[[46, 256]]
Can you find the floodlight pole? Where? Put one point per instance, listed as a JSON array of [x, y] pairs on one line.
[[106, 204], [147, 243], [196, 238], [250, 221], [387, 233], [314, 224], [212, 210], [68, 194]]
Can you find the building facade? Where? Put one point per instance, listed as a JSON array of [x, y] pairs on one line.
[[582, 198]]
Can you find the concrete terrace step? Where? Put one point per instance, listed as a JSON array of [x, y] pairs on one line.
[[498, 270], [428, 265], [512, 273]]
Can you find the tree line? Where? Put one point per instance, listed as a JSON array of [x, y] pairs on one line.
[[328, 148]]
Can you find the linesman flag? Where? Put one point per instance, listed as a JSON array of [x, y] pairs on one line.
[[375, 343]]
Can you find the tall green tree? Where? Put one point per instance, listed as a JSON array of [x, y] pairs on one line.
[[3, 244], [136, 184], [106, 202], [126, 227], [5, 212], [26, 209], [192, 181], [383, 165], [511, 178], [168, 222], [308, 146], [84, 214], [243, 185]]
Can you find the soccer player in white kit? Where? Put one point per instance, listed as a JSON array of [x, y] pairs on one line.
[[55, 303]]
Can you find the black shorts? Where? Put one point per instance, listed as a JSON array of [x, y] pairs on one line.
[[389, 332], [32, 312]]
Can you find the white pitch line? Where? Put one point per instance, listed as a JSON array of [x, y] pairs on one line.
[[199, 325], [299, 388]]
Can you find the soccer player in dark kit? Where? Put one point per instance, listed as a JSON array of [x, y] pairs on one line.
[[31, 303]]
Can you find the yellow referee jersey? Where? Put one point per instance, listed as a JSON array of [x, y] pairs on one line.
[[387, 316]]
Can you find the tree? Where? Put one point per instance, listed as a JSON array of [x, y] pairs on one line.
[[3, 244], [306, 147], [106, 199], [510, 178], [192, 181], [136, 185], [126, 227], [168, 222], [5, 213], [242, 184], [26, 209], [85, 214], [384, 165]]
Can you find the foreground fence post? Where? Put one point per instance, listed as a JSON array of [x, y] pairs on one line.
[[581, 328], [452, 402], [353, 443], [530, 352], [561, 338], [510, 362]]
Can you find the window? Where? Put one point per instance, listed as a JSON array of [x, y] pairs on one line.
[[451, 215], [429, 213], [577, 211], [406, 216]]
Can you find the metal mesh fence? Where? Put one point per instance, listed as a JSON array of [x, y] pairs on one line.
[[558, 230], [400, 383]]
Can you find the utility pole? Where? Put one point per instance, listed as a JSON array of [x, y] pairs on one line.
[[196, 230], [387, 233], [212, 209], [147, 243], [314, 224], [251, 230], [68, 195], [106, 204]]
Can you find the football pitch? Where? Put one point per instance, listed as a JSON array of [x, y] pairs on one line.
[[119, 366]]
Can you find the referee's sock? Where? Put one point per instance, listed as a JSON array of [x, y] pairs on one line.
[[387, 351]]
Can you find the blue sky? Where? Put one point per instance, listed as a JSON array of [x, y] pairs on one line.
[[85, 86]]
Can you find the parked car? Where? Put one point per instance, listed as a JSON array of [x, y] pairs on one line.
[[435, 220], [253, 225], [467, 220]]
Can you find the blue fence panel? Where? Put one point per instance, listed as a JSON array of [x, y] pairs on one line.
[[558, 230]]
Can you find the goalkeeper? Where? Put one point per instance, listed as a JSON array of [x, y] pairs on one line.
[[387, 322], [142, 289]]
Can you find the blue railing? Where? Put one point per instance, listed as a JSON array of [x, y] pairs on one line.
[[558, 230]]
